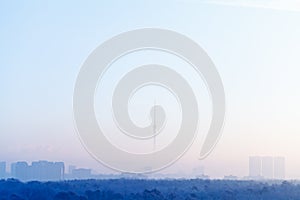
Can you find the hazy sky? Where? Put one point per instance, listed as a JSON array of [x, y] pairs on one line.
[[255, 46]]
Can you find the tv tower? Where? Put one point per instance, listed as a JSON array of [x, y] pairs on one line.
[[154, 127]]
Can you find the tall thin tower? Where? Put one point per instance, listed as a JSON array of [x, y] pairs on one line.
[[154, 127]]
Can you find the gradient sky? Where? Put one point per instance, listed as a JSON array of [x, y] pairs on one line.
[[255, 46]]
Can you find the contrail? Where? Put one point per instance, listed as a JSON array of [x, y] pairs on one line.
[[287, 5]]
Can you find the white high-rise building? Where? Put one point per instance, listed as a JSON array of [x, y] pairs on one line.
[[255, 166], [279, 168], [267, 167], [2, 169]]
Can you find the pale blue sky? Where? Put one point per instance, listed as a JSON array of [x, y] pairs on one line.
[[255, 49]]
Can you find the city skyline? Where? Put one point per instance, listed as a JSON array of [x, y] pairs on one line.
[[260, 168], [254, 48], [266, 167]]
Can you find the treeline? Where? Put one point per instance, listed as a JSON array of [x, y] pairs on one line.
[[124, 189]]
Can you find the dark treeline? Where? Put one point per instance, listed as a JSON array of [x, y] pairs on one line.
[[147, 189]]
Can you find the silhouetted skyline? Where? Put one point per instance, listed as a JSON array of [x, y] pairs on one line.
[[260, 168], [266, 167]]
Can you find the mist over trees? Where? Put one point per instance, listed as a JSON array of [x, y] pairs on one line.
[[125, 189]]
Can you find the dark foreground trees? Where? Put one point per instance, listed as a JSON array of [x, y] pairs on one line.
[[122, 189]]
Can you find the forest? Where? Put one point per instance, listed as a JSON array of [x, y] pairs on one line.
[[138, 189]]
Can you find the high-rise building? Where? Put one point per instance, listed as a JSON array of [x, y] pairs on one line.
[[71, 168], [46, 171], [41, 171], [267, 167], [19, 170], [255, 164], [279, 168], [2, 170]]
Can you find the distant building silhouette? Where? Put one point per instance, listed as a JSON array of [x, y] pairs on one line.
[[78, 173], [2, 170], [47, 171], [41, 170], [81, 173], [254, 166], [132, 176], [267, 167], [279, 168], [71, 168], [20, 171]]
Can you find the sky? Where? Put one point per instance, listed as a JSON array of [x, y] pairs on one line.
[[254, 45]]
